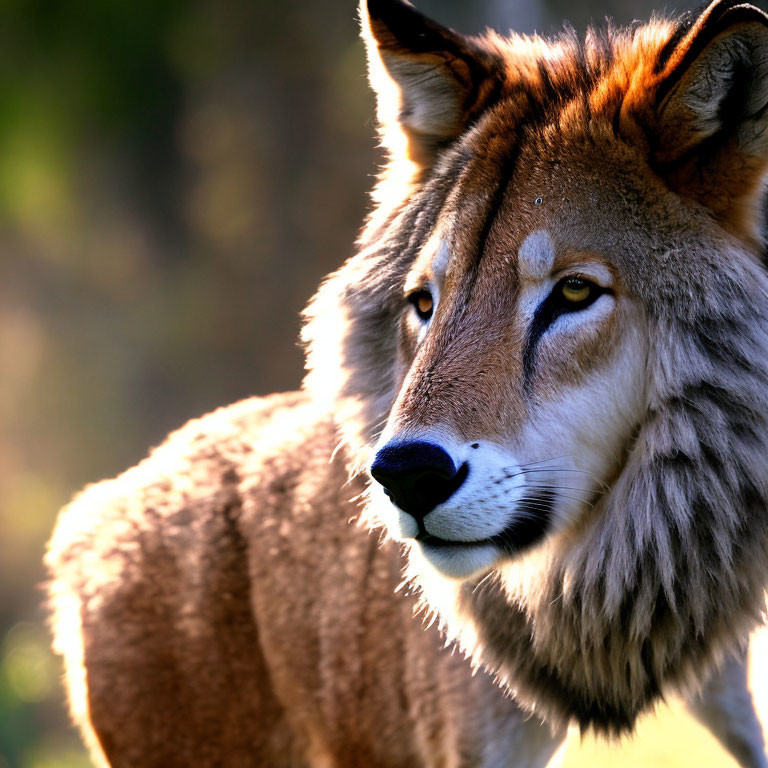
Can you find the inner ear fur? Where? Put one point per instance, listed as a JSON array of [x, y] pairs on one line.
[[710, 135], [430, 81]]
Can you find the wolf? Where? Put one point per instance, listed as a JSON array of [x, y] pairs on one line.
[[539, 390]]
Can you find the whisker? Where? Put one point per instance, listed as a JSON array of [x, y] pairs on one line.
[[541, 497], [483, 581], [551, 470], [575, 498], [561, 469], [586, 499], [530, 513], [544, 461], [544, 486], [532, 504]]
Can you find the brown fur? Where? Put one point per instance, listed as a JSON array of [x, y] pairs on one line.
[[215, 606], [164, 571]]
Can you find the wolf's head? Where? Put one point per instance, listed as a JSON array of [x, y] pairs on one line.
[[551, 350]]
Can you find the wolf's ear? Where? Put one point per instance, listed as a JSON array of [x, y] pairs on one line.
[[429, 81], [711, 114]]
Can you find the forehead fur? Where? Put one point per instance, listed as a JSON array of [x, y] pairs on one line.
[[608, 72], [607, 77]]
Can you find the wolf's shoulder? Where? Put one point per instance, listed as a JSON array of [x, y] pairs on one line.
[[241, 460]]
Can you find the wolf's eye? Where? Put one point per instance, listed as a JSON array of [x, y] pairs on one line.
[[574, 289], [423, 304], [575, 293]]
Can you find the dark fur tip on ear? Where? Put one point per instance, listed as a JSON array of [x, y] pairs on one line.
[[397, 25], [430, 81], [695, 34], [389, 11], [708, 121]]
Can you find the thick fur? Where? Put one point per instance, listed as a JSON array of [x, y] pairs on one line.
[[645, 594], [214, 605], [217, 606]]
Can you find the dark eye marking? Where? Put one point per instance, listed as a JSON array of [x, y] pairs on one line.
[[571, 294], [423, 303]]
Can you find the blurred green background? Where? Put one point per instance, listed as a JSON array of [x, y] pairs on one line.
[[175, 179]]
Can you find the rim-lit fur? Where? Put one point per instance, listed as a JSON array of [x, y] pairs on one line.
[[653, 586]]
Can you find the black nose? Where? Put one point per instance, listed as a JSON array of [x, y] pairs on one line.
[[417, 476]]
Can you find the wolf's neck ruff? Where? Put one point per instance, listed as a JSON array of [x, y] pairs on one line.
[[595, 365]]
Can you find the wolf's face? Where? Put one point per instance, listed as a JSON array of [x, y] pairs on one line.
[[551, 239], [550, 351], [522, 351]]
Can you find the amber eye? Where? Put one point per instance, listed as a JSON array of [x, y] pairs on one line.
[[422, 303], [576, 290]]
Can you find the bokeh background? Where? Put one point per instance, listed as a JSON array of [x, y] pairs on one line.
[[175, 179]]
